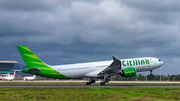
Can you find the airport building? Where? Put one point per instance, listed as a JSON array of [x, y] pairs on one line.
[[8, 67]]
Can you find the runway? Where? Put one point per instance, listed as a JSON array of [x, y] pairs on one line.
[[78, 81], [84, 86], [81, 84]]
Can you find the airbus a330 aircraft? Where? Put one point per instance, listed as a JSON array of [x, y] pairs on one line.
[[93, 70]]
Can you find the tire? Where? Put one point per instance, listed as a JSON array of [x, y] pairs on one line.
[[93, 81], [107, 80], [102, 83], [88, 83], [151, 74]]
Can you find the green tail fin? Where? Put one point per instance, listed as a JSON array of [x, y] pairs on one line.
[[36, 66], [30, 59]]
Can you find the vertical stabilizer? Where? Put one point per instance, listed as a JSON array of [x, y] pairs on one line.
[[14, 74], [30, 59], [36, 66]]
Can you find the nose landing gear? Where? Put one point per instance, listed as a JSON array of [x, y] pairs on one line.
[[151, 74]]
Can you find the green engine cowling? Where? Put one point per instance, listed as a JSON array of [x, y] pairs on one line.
[[128, 72]]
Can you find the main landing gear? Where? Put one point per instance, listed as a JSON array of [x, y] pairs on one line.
[[104, 82], [151, 74], [101, 83], [90, 82]]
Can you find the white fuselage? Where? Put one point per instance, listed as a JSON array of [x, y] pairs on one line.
[[8, 78], [29, 78], [91, 69]]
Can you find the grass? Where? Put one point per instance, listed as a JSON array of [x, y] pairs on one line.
[[89, 94]]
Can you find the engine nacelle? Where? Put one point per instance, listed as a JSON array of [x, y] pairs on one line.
[[128, 72]]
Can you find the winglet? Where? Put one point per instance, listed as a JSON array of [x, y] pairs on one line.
[[114, 58]]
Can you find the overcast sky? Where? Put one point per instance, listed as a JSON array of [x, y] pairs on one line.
[[75, 31]]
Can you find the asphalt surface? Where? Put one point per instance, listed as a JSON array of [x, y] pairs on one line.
[[84, 86], [88, 86], [96, 81]]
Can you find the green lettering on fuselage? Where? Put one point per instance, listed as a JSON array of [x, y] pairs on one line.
[[130, 62], [142, 62], [135, 62], [127, 63], [124, 64], [139, 63], [147, 61]]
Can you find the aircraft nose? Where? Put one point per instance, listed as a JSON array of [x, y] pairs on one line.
[[161, 62]]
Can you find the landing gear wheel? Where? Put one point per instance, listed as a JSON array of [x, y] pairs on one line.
[[88, 83], [107, 80], [151, 74], [102, 83], [92, 81]]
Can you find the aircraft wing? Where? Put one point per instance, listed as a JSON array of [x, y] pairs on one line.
[[115, 67]]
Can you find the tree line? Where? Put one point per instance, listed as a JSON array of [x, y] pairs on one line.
[[141, 77]]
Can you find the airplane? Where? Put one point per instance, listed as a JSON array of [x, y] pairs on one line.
[[8, 77], [93, 70], [29, 78]]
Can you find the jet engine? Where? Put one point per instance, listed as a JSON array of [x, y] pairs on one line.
[[128, 72]]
